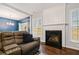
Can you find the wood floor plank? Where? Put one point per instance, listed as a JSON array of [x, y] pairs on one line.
[[49, 50]]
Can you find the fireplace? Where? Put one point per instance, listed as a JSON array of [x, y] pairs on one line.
[[54, 38]]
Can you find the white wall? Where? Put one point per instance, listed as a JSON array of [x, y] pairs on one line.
[[54, 15], [54, 19]]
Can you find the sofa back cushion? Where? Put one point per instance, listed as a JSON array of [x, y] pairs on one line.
[[7, 38], [18, 37]]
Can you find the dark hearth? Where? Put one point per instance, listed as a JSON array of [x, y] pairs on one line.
[[54, 38]]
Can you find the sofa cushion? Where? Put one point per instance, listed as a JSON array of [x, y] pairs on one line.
[[10, 46], [27, 38], [7, 34], [19, 41], [14, 51], [8, 42], [18, 33], [8, 38], [18, 37]]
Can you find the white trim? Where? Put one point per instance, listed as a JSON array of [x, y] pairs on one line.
[[75, 41], [72, 47]]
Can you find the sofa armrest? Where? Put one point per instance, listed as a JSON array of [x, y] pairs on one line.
[[36, 39], [1, 53]]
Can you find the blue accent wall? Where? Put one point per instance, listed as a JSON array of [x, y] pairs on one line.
[[4, 27]]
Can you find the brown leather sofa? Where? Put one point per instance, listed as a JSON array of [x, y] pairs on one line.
[[12, 43], [26, 48]]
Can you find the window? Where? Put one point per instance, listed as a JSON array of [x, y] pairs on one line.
[[75, 25]]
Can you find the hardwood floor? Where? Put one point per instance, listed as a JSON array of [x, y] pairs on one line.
[[48, 50]]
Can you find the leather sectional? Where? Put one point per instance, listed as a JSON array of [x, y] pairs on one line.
[[15, 43]]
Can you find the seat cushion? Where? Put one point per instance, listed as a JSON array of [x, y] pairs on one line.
[[14, 51], [28, 46], [10, 46]]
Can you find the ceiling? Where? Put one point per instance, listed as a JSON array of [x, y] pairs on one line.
[[10, 13], [20, 10], [32, 8]]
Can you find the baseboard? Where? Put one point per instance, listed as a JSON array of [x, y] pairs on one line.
[[42, 42], [72, 48]]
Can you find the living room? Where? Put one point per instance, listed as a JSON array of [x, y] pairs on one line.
[[39, 28]]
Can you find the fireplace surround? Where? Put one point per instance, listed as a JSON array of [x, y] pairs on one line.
[[54, 38]]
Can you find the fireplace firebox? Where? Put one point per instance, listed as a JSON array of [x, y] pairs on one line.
[[54, 38]]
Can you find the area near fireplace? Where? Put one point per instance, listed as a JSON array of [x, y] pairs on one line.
[[54, 38]]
